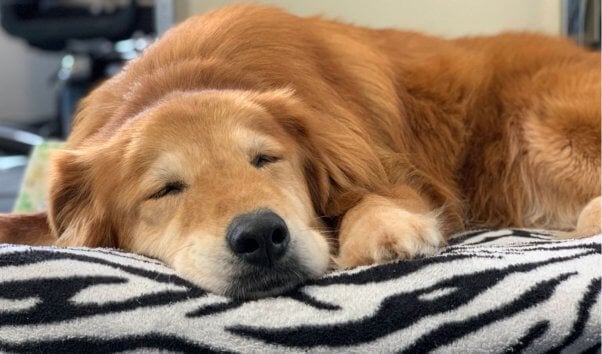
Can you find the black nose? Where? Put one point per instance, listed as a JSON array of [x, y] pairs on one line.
[[260, 238]]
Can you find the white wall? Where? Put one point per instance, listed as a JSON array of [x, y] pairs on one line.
[[448, 18], [26, 92]]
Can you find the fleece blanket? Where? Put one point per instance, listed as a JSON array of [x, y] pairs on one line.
[[488, 291]]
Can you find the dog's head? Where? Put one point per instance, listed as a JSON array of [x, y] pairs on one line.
[[218, 184]]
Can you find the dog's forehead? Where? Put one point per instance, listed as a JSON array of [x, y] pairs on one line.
[[202, 127], [205, 111], [193, 118]]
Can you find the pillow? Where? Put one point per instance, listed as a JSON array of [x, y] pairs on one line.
[[500, 291]]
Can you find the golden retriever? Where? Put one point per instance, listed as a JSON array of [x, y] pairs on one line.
[[248, 145]]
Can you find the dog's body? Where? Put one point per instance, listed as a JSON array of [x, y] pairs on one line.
[[248, 122]]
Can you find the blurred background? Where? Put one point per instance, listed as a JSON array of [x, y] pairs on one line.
[[52, 52]]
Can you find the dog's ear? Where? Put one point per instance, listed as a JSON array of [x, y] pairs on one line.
[[76, 214], [28, 229], [340, 165]]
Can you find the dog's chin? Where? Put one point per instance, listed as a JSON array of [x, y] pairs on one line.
[[218, 271], [254, 282]]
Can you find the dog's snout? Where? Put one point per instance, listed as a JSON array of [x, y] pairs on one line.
[[260, 238]]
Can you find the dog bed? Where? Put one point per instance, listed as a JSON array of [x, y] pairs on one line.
[[488, 291]]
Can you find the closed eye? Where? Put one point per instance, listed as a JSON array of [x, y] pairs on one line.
[[171, 188], [261, 160]]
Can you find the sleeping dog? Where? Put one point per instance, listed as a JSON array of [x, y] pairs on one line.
[[251, 149]]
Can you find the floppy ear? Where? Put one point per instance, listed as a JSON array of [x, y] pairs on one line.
[[340, 165], [28, 229], [75, 214]]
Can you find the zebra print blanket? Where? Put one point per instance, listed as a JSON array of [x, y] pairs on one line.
[[489, 291]]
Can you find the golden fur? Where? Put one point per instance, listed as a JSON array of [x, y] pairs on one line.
[[382, 143]]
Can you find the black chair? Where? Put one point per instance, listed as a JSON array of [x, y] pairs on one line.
[[50, 24], [88, 32]]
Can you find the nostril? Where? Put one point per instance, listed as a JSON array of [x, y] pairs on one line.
[[279, 235], [247, 245]]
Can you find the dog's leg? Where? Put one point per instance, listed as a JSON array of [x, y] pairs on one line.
[[588, 223], [558, 146], [28, 229], [380, 229]]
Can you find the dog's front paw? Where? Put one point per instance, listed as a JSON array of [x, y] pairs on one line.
[[377, 231]]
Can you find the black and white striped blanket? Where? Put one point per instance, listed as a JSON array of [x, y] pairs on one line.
[[489, 291]]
